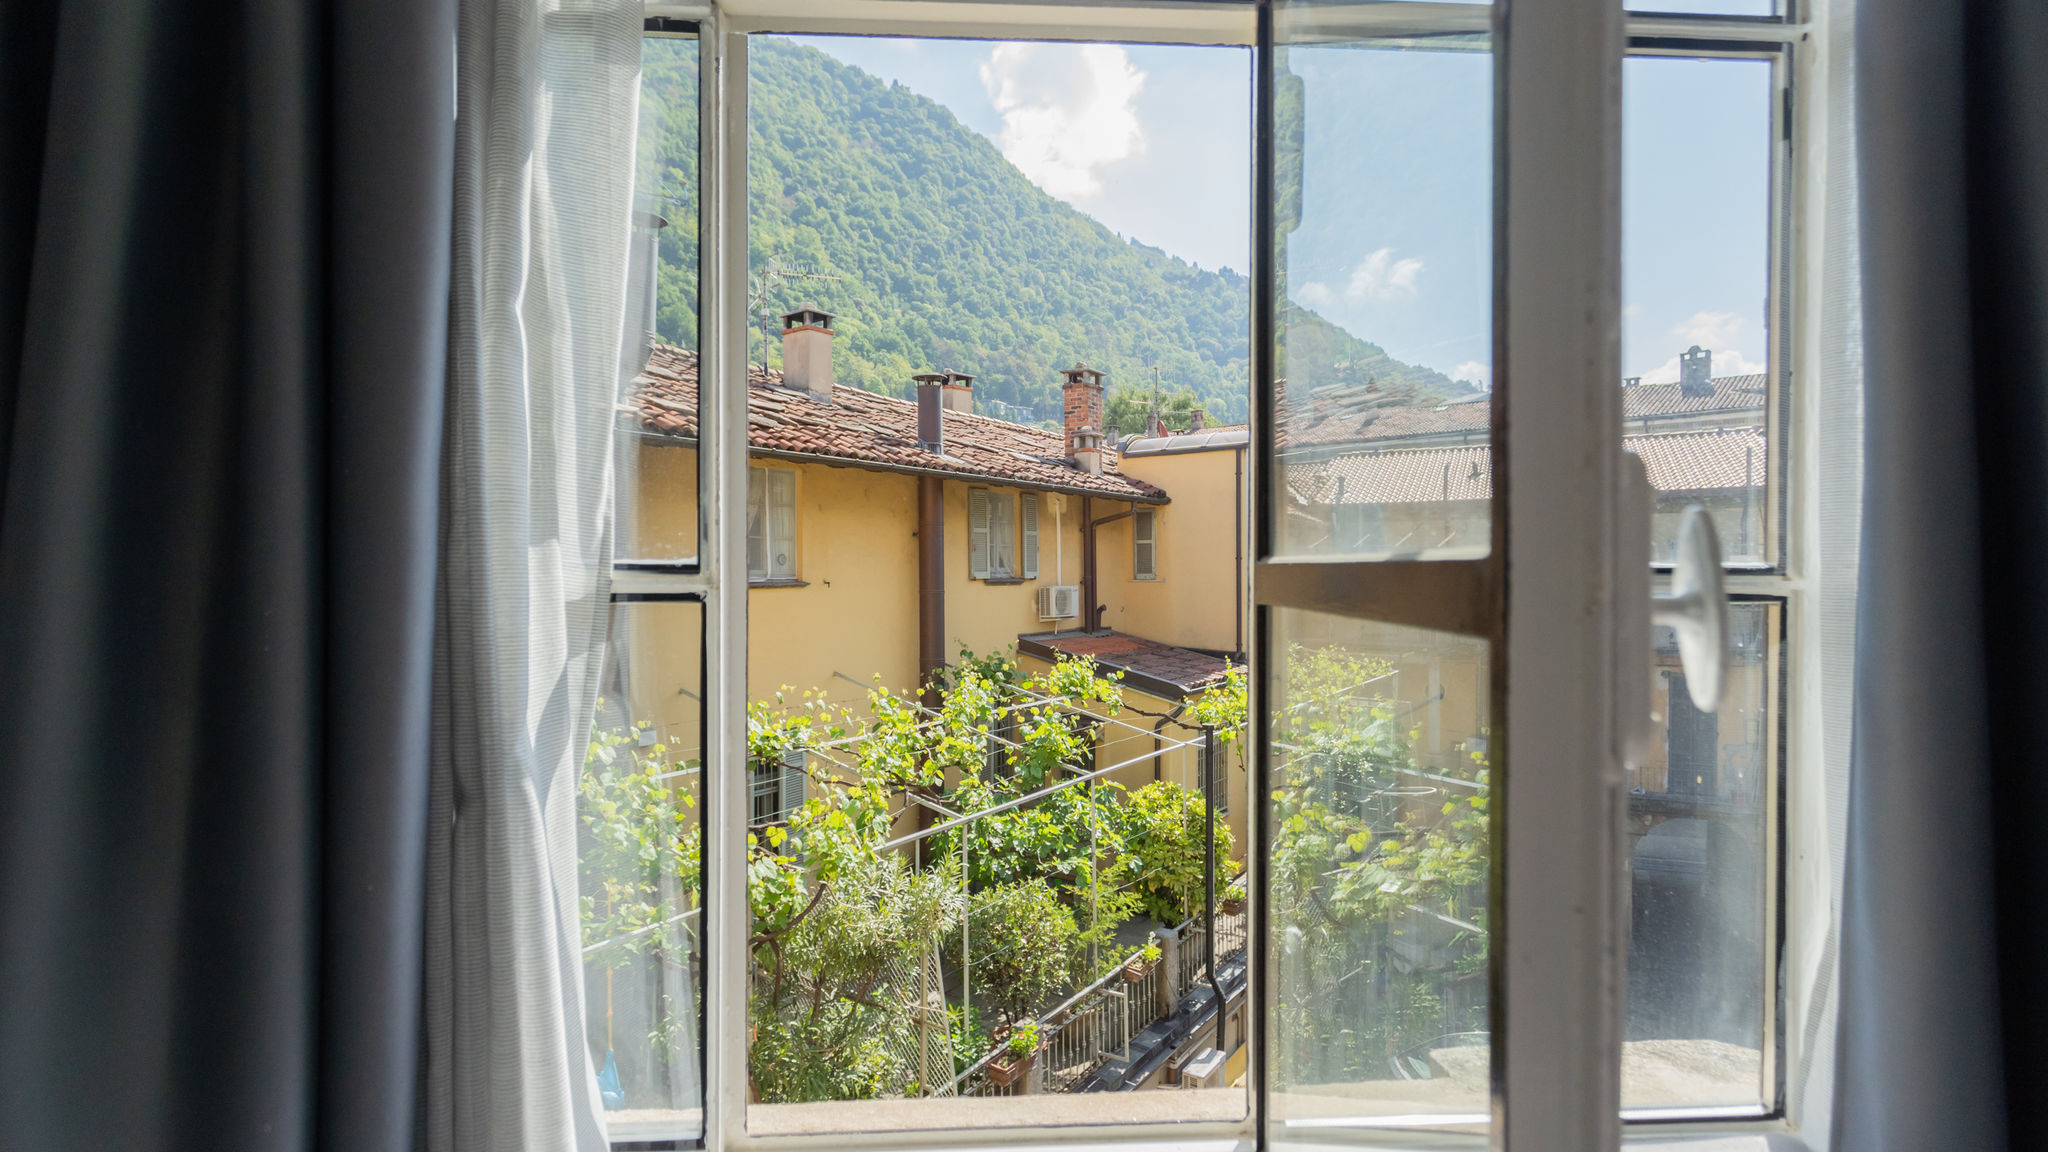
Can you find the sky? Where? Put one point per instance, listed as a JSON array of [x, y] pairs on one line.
[[1395, 242]]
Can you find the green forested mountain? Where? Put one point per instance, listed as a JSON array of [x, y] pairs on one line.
[[946, 256]]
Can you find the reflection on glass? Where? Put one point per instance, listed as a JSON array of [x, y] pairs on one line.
[[1384, 214], [656, 456], [641, 874], [1697, 867], [1377, 880], [1696, 166], [1706, 7]]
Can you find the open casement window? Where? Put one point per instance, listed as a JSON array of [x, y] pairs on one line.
[[771, 524], [992, 534], [1450, 643], [1144, 545]]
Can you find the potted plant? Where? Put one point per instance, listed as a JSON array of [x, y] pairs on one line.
[[1141, 964], [1018, 1053], [1232, 901]]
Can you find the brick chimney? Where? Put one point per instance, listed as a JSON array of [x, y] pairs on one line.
[[958, 392], [931, 420], [807, 350], [1082, 391], [1198, 420], [1695, 372]]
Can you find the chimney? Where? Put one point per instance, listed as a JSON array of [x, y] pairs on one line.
[[807, 350], [1198, 420], [1696, 372], [1083, 393], [642, 260], [1087, 443], [1631, 381], [931, 424], [958, 392]]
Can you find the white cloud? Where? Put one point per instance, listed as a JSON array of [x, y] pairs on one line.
[[1377, 277], [1726, 362], [1474, 372], [1067, 111], [1719, 332], [1381, 277], [1709, 330]]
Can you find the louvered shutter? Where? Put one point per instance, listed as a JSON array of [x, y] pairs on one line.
[[781, 524], [1030, 519], [1142, 545], [977, 533], [793, 780]]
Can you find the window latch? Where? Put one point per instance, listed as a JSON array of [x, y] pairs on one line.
[[1695, 609]]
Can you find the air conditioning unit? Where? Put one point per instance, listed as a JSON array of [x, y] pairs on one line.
[[1059, 602]]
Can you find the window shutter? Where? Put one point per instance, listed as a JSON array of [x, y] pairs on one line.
[[977, 533], [1030, 518], [781, 524], [757, 524], [1142, 545], [793, 780]]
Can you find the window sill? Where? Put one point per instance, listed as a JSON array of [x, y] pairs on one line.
[[1002, 581], [787, 582]]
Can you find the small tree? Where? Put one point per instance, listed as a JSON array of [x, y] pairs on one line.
[[1022, 942]]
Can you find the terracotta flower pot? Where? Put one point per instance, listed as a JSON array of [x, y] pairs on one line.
[[1229, 906], [1006, 1069], [1137, 970]]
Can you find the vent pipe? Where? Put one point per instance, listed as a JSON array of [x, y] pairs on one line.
[[931, 411]]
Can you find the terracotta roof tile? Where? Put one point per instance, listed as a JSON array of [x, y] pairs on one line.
[[1676, 461], [862, 427], [1336, 415], [1185, 669]]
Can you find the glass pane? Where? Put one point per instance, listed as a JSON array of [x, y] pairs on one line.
[[1696, 197], [968, 262], [1698, 866], [641, 882], [1382, 413], [1706, 7], [656, 458], [1377, 885]]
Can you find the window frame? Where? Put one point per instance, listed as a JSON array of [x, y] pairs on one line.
[[772, 477], [718, 577], [1149, 517]]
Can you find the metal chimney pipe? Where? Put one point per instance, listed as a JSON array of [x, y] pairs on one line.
[[931, 411]]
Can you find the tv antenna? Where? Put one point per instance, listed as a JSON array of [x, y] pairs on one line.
[[767, 284]]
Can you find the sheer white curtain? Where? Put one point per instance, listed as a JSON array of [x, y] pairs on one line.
[[546, 92]]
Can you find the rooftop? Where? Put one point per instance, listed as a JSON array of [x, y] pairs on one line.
[[867, 430], [1164, 670], [1677, 462], [1340, 416]]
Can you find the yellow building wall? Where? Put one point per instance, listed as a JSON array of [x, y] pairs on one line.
[[1193, 603]]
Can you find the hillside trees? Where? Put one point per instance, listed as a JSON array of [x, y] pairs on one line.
[[946, 255]]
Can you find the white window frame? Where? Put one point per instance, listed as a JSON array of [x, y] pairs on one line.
[[774, 490], [1543, 44], [992, 536], [1148, 539]]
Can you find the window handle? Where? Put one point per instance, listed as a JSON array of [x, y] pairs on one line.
[[1696, 608]]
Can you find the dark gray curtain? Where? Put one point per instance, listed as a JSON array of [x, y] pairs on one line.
[[224, 236], [1943, 1039]]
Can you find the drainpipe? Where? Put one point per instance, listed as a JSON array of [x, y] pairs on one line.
[[931, 584], [1089, 551], [1209, 874]]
